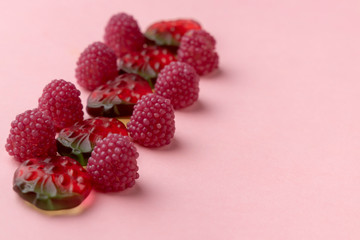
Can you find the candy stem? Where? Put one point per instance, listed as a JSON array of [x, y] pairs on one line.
[[150, 83], [80, 158]]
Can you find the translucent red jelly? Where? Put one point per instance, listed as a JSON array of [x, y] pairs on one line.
[[53, 183], [118, 97], [170, 32], [79, 140], [147, 63]]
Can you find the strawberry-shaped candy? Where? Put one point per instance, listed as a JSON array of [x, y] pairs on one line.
[[53, 183], [117, 98], [148, 62], [79, 140], [170, 32]]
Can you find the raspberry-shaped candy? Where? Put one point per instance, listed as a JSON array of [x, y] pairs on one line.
[[62, 102], [32, 134], [197, 48], [123, 34], [96, 65], [178, 82], [112, 165], [153, 121]]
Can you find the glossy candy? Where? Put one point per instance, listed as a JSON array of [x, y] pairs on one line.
[[170, 32], [79, 140], [118, 97], [148, 62], [53, 183]]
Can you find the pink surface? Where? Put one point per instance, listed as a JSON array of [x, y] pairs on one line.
[[271, 151]]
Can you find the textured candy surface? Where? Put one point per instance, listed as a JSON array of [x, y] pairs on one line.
[[32, 134], [197, 48], [118, 97], [79, 140], [178, 82], [153, 121], [148, 62], [113, 165], [61, 100], [52, 183], [96, 65], [123, 34], [170, 32]]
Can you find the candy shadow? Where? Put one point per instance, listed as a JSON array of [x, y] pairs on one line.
[[173, 146], [198, 106], [136, 191], [214, 75]]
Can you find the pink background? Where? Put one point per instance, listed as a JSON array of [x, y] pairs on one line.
[[271, 150]]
